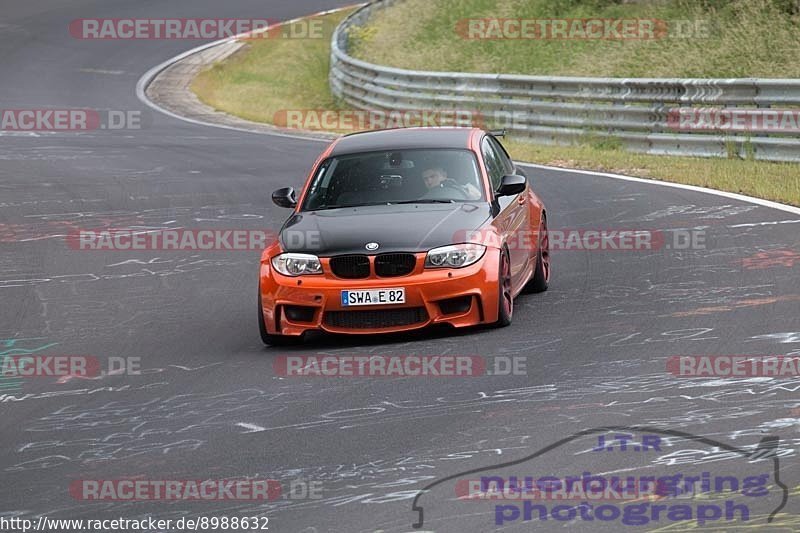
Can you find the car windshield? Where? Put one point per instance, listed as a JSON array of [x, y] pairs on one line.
[[393, 177]]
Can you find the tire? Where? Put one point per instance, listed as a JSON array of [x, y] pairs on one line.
[[541, 276], [270, 339], [505, 301]]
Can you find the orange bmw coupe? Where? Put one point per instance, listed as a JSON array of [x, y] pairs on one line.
[[400, 229]]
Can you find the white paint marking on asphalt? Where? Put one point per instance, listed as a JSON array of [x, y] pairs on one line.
[[11, 133], [695, 188], [253, 428], [101, 71], [771, 223]]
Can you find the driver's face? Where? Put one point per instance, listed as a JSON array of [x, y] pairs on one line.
[[434, 177]]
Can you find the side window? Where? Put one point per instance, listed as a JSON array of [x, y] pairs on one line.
[[508, 166], [493, 164]]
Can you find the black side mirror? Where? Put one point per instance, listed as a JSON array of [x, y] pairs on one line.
[[285, 197], [510, 185]]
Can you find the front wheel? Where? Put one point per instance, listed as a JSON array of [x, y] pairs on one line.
[[505, 303], [541, 276]]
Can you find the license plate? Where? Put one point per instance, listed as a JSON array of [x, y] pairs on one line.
[[373, 297]]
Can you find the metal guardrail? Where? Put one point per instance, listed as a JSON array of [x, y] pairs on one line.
[[643, 114]]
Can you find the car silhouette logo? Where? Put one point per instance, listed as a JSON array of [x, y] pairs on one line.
[[372, 246]]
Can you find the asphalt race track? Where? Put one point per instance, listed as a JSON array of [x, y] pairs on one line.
[[208, 403]]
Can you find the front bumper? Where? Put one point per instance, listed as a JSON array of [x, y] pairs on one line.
[[459, 297]]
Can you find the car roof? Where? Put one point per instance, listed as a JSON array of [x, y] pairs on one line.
[[403, 139]]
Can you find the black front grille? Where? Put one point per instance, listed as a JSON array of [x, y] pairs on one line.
[[350, 266], [389, 265], [379, 318]]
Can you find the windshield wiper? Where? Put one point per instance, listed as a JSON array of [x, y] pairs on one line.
[[419, 201], [425, 201], [323, 207]]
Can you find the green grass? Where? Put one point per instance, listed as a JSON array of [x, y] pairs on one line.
[[272, 75], [745, 38], [280, 74]]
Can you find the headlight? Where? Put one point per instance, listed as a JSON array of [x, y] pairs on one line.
[[296, 264], [454, 256]]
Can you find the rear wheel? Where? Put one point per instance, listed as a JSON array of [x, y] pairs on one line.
[[505, 303], [541, 276], [270, 339]]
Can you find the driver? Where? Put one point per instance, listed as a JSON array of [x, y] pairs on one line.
[[437, 177]]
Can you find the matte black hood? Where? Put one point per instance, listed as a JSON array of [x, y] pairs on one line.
[[396, 228]]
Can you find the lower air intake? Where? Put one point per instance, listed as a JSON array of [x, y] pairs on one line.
[[385, 318]]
